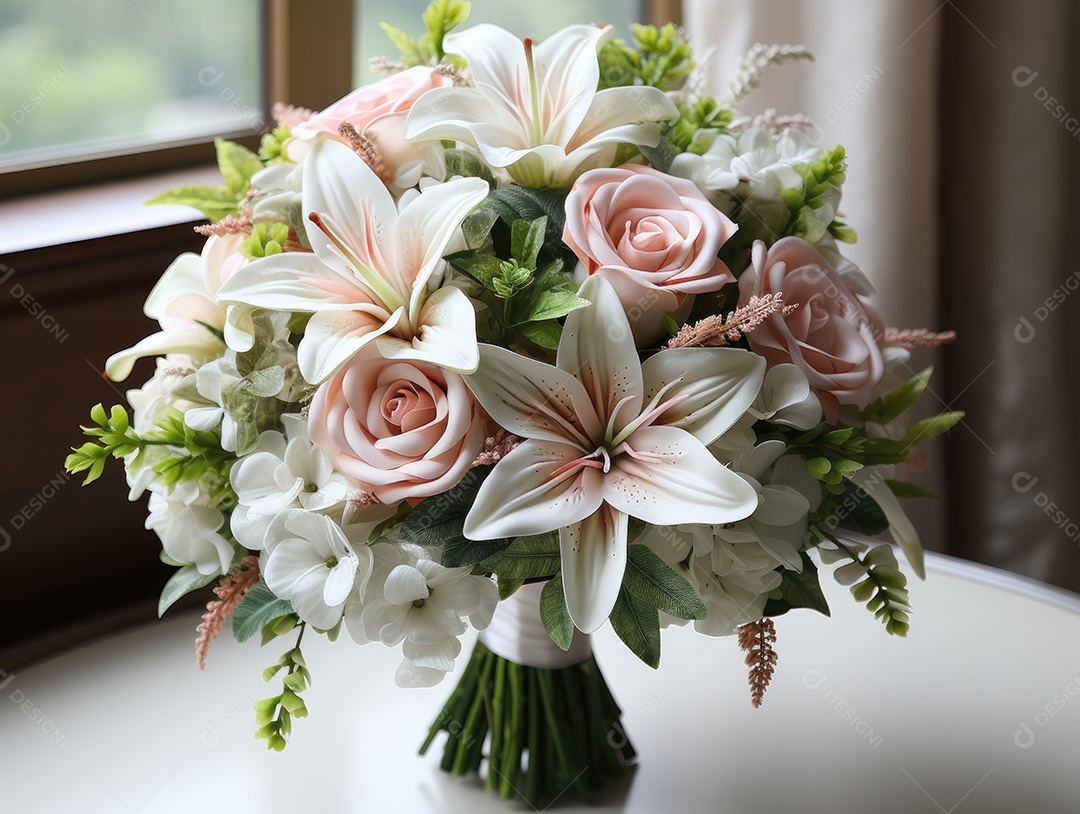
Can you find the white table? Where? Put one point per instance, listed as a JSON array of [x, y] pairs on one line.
[[977, 711]]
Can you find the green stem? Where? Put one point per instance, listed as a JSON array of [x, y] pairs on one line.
[[532, 780], [564, 719], [495, 719]]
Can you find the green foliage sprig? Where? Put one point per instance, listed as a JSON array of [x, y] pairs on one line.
[[193, 454], [274, 715], [874, 578], [808, 202], [660, 58], [524, 287], [440, 18]]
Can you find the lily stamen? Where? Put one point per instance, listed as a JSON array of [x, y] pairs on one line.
[[372, 281]]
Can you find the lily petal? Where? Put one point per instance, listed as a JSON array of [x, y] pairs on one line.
[[195, 341], [332, 338], [719, 384], [496, 60], [534, 400], [597, 347], [447, 335], [609, 112], [424, 228], [593, 555], [672, 478], [294, 281], [526, 494], [340, 186], [567, 62]]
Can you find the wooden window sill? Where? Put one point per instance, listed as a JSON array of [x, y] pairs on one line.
[[101, 210]]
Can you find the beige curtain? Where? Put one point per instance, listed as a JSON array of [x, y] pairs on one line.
[[959, 187]]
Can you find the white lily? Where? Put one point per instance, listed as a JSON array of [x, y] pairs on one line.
[[183, 302], [374, 273], [608, 438], [536, 111]]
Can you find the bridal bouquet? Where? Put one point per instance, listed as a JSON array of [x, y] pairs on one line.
[[528, 336]]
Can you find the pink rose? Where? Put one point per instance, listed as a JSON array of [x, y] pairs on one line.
[[832, 335], [402, 430], [378, 111], [654, 237]]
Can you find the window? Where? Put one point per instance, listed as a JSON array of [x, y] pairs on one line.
[[100, 90], [121, 75]]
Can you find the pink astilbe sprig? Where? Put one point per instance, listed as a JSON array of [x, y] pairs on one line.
[[496, 448], [242, 225], [290, 115], [366, 149], [229, 225], [717, 330], [230, 591], [911, 338]]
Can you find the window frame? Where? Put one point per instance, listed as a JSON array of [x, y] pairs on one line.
[[288, 35]]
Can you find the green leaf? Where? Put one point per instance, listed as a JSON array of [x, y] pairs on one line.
[[482, 266], [267, 382], [259, 607], [476, 227], [554, 615], [931, 427], [526, 240], [554, 303], [651, 580], [661, 156], [905, 489], [402, 41], [440, 17], [527, 557], [546, 333], [467, 165], [857, 511], [237, 164], [183, 582], [638, 624], [513, 203], [214, 202], [508, 587], [799, 590], [440, 521], [891, 405]]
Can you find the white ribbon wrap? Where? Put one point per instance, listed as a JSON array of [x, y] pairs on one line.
[[517, 634]]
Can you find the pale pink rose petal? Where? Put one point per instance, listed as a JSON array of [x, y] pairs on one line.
[[654, 237], [833, 336], [399, 430]]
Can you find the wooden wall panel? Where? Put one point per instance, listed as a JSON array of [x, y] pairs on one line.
[[71, 555]]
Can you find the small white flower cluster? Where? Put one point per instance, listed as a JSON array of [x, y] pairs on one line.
[[735, 566], [388, 592]]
